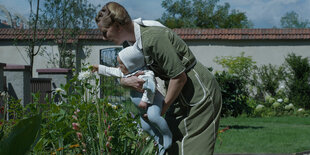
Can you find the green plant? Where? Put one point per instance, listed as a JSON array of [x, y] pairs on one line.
[[267, 79], [298, 75], [236, 83], [21, 137], [234, 94], [81, 122], [240, 65]]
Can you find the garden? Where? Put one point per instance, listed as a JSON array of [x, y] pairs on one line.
[[265, 110]]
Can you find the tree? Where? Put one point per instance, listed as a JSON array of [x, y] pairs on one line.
[[68, 18], [202, 14], [33, 40], [292, 20]]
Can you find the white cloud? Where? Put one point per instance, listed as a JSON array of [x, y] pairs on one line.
[[268, 13]]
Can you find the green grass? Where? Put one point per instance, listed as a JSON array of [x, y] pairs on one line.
[[264, 135]]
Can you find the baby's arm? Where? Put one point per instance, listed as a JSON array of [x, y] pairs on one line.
[[110, 71], [149, 87]]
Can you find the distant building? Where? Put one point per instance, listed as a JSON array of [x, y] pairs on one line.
[[4, 24]]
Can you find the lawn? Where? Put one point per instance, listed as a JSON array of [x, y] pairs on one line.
[[287, 134]]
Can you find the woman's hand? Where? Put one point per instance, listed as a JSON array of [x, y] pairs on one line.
[[174, 88], [134, 82], [164, 108]]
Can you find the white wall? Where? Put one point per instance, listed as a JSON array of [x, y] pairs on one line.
[[262, 51]]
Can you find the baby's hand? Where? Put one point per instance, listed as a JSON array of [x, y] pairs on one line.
[[143, 105], [94, 68]]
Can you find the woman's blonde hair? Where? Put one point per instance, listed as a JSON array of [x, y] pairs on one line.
[[112, 12]]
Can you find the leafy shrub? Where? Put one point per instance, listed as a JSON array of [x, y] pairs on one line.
[[234, 94], [298, 75], [267, 79], [236, 83], [241, 66]]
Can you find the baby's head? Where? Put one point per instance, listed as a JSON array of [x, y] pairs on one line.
[[130, 59]]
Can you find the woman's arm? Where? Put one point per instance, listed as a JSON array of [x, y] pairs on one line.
[[174, 88]]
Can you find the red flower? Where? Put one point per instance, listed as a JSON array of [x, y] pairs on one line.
[[76, 126], [79, 135]]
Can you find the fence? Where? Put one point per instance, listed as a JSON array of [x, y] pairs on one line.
[[41, 86]]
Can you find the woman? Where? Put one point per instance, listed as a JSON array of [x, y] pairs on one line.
[[193, 100]]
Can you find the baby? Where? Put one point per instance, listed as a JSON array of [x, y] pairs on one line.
[[131, 61]]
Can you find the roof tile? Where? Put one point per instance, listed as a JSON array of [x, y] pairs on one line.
[[185, 33]]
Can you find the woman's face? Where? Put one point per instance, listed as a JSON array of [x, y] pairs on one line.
[[112, 33]]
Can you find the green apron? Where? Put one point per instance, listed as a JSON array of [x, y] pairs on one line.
[[194, 117]]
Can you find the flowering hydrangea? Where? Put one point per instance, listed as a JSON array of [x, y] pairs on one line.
[[259, 107], [288, 107], [280, 100], [300, 110], [84, 75], [276, 104], [271, 100], [286, 100]]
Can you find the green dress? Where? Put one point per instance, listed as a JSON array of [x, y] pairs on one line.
[[194, 117]]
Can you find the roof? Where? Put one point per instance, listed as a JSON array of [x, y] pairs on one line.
[[186, 34]]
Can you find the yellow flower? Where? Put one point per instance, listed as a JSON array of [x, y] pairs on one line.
[[73, 146]]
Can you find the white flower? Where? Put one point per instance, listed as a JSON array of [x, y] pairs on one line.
[[3, 93], [147, 138], [300, 110], [276, 104], [286, 100], [288, 107], [59, 90], [280, 100], [282, 87], [271, 100], [259, 107], [58, 103], [267, 98], [114, 107], [84, 75]]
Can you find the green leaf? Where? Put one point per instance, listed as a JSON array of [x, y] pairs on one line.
[[21, 137], [1, 133], [88, 86], [149, 148]]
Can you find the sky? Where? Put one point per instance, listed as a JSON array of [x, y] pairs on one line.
[[262, 13]]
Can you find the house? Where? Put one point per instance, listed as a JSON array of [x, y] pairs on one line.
[[264, 45]]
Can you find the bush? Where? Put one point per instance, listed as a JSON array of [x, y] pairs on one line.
[[241, 66], [267, 79], [236, 83], [298, 75], [234, 94]]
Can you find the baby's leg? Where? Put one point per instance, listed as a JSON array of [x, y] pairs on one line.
[[153, 114], [151, 130]]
